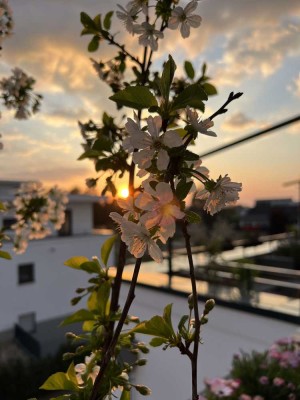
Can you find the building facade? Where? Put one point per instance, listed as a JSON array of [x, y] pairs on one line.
[[36, 287]]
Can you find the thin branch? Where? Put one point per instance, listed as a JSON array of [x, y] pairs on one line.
[[194, 358], [111, 348], [223, 109], [112, 41]]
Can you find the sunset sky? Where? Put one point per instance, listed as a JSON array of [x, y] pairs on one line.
[[252, 46]]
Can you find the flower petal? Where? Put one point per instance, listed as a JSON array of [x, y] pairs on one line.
[[162, 160], [155, 252], [172, 139]]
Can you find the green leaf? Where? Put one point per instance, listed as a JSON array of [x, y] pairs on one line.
[[156, 326], [125, 395], [103, 143], [167, 77], [94, 44], [87, 21], [209, 89], [78, 316], [63, 397], [75, 262], [191, 96], [2, 206], [88, 326], [137, 97], [167, 316], [192, 217], [90, 267], [58, 381], [71, 373], [189, 69], [182, 189], [97, 21], [157, 341], [92, 302], [204, 68], [190, 156], [107, 20], [5, 254], [182, 322], [103, 298], [90, 154], [106, 248]]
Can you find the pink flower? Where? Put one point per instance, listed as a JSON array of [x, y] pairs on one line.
[[222, 387], [245, 397], [278, 381], [161, 209], [263, 380]]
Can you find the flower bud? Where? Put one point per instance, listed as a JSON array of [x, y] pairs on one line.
[[70, 335], [144, 390], [209, 305], [75, 300], [143, 348], [67, 356], [141, 362], [80, 290], [191, 301]]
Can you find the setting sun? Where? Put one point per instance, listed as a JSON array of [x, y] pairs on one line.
[[123, 192]]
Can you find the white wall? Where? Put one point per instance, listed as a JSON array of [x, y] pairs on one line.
[[49, 295], [227, 332], [82, 217]]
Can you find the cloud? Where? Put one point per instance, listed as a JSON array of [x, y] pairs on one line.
[[294, 87], [238, 122], [256, 52]]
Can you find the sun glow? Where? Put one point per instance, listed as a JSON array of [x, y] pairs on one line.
[[123, 192]]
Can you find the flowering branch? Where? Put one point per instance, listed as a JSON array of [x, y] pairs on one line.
[[108, 354]]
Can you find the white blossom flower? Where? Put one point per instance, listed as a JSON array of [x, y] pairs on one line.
[[198, 125], [137, 238], [152, 144], [185, 17], [149, 35], [140, 5], [86, 368], [18, 94], [37, 211], [219, 194], [128, 15], [161, 209], [134, 130], [128, 206], [6, 20]]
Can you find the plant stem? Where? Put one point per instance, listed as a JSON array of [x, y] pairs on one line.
[[110, 350], [194, 357], [223, 109], [112, 41]]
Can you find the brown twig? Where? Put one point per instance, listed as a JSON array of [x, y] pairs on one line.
[[223, 109], [111, 348], [194, 357]]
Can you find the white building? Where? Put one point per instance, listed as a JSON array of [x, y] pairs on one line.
[[36, 287]]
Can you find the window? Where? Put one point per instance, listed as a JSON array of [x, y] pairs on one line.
[[25, 273], [66, 229]]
